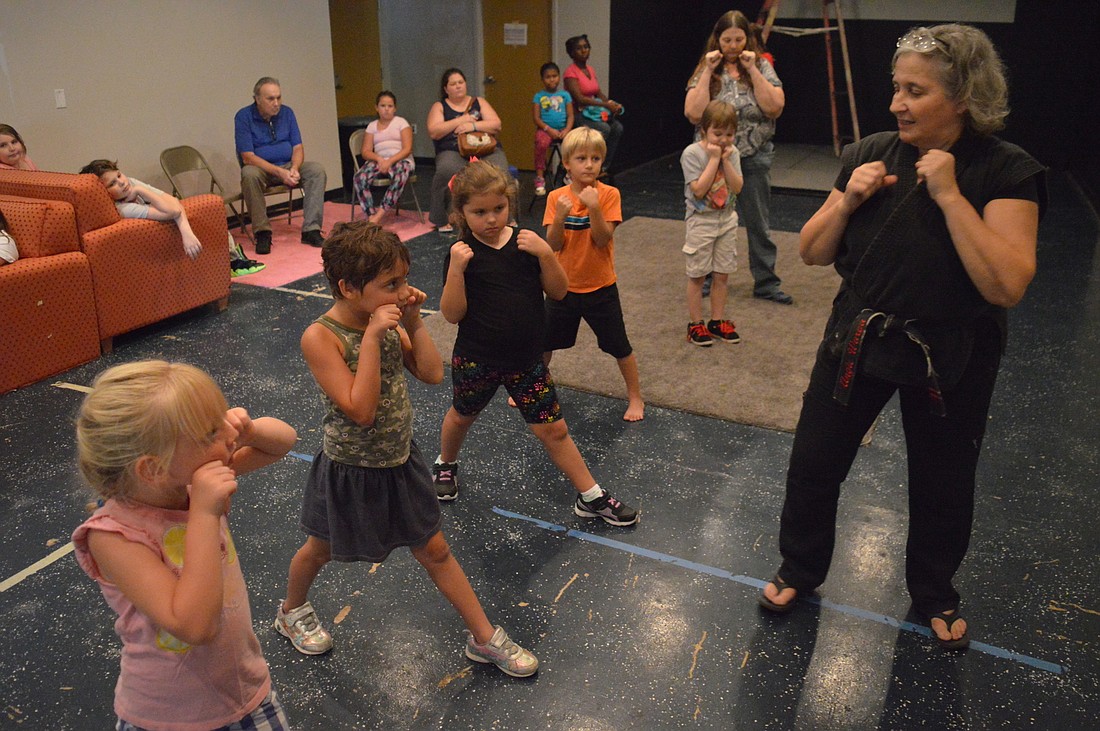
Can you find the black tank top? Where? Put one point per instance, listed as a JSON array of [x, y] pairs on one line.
[[450, 142]]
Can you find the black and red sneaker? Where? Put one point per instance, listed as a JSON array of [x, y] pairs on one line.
[[724, 331], [699, 335]]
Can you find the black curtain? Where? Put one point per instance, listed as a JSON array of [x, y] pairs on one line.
[[1051, 52]]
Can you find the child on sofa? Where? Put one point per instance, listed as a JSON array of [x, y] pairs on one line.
[[135, 199], [8, 252]]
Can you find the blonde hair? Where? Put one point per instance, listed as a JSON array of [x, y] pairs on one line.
[[583, 139], [142, 409], [480, 178]]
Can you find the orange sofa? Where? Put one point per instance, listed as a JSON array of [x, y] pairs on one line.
[[46, 295], [138, 271]]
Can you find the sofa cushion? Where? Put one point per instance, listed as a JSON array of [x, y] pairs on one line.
[[40, 227]]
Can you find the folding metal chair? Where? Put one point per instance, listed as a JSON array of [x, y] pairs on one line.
[[355, 146], [178, 161]]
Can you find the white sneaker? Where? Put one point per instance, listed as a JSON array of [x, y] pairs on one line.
[[304, 630], [502, 652]]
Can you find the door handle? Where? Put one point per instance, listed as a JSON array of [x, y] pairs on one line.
[[490, 79]]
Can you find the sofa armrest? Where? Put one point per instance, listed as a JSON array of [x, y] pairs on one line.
[[141, 274]]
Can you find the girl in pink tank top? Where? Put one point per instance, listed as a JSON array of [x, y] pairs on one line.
[[162, 449]]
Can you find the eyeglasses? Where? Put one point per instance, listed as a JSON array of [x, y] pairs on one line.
[[921, 40]]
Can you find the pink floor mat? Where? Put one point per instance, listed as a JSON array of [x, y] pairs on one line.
[[291, 260]]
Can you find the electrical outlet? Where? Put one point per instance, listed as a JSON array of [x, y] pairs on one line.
[[414, 127], [59, 98]]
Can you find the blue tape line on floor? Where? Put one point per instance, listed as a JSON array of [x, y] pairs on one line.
[[759, 584], [299, 455]]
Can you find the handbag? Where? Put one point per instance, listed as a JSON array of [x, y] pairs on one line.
[[475, 143]]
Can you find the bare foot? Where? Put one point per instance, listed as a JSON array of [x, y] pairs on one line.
[[512, 402], [635, 410], [773, 595], [377, 216], [942, 632]]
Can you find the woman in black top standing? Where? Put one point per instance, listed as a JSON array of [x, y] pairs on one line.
[[933, 231]]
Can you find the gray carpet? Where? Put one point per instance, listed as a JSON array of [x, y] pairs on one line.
[[758, 381]]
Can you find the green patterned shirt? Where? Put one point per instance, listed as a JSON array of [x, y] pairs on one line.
[[386, 442]]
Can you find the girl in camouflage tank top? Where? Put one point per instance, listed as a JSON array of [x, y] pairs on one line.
[[370, 489]]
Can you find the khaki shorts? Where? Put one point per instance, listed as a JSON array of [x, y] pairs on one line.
[[710, 244]]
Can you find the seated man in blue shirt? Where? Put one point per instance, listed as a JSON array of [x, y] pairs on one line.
[[269, 148]]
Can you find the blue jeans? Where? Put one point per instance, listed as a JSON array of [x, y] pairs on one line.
[[752, 209]]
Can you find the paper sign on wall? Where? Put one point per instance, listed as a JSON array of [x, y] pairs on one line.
[[515, 34]]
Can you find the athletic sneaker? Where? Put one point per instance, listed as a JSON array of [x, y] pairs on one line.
[[724, 331], [445, 477], [698, 334], [240, 267], [502, 652], [304, 630], [540, 186], [607, 508]]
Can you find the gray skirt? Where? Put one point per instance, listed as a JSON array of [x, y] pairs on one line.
[[366, 512]]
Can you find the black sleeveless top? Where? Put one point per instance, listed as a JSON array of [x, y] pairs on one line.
[[897, 257], [450, 142]]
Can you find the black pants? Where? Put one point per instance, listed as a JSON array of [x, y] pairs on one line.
[[942, 458]]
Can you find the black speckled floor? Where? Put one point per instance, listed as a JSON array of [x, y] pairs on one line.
[[650, 627]]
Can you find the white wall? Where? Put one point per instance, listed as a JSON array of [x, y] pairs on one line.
[[590, 17], [143, 75]]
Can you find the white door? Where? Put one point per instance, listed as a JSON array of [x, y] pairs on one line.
[[420, 40]]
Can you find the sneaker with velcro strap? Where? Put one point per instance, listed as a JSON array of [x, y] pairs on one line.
[[303, 629], [501, 651], [606, 508], [445, 478]]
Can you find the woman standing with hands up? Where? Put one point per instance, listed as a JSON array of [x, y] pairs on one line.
[[731, 70], [932, 228]]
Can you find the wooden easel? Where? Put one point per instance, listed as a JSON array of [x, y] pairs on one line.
[[766, 20]]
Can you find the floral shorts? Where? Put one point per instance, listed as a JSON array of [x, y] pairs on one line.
[[531, 388]]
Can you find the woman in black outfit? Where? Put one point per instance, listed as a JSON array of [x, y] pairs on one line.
[[932, 229]]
